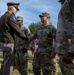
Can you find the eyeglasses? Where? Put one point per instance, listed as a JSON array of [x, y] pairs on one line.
[[41, 16]]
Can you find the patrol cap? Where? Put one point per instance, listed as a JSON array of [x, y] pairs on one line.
[[45, 14], [19, 18], [13, 4]]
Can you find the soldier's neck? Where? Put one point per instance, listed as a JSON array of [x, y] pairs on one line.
[[45, 23]]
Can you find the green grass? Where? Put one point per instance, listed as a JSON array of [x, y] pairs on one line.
[[30, 70]]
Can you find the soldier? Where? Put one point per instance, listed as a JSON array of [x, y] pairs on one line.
[[9, 27], [64, 36], [43, 57], [21, 47]]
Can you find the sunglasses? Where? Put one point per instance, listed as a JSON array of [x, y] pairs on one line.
[[19, 20]]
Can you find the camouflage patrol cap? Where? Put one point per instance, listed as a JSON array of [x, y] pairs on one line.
[[45, 14], [19, 18], [13, 4]]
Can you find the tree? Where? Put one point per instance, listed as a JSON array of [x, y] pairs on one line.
[[33, 27]]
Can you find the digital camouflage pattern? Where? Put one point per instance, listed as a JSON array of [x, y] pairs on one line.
[[21, 55], [65, 26], [64, 36], [42, 60]]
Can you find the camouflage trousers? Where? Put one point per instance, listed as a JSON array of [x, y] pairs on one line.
[[42, 64], [21, 62], [66, 69], [57, 67]]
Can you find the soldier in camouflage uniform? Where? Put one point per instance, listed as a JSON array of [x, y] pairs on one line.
[[64, 37], [21, 47], [43, 58]]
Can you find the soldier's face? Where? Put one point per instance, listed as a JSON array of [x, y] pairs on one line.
[[14, 10], [20, 22], [43, 19]]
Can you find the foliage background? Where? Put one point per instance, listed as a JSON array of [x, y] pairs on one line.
[[33, 27]]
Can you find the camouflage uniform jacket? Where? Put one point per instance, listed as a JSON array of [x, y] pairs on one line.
[[45, 35], [65, 18], [19, 43], [64, 27]]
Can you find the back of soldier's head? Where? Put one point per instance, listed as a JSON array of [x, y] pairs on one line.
[[61, 1]]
